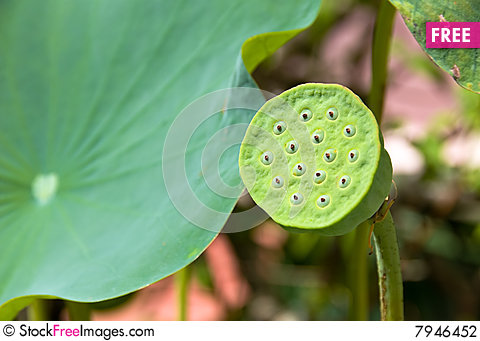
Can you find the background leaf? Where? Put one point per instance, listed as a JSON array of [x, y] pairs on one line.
[[88, 91], [417, 12]]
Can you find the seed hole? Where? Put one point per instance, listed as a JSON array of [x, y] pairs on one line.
[[278, 182], [332, 113], [267, 158], [291, 147], [299, 169], [344, 181], [353, 155], [318, 136], [306, 115], [279, 127], [330, 155], [319, 176], [323, 201], [296, 198], [349, 130]]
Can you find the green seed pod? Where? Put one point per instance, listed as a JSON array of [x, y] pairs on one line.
[[329, 184]]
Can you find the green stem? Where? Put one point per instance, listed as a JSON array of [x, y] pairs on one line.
[[358, 277], [381, 48], [78, 311], [39, 310], [389, 273], [182, 281]]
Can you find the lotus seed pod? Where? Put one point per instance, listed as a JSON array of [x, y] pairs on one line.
[[328, 170]]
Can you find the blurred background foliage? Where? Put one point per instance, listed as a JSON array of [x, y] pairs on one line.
[[432, 131]]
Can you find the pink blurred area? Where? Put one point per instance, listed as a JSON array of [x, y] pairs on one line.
[[159, 300], [413, 96]]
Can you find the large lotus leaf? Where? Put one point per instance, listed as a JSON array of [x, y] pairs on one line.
[[461, 64], [88, 92]]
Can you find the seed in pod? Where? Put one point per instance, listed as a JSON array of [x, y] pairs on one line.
[[291, 147], [278, 182], [267, 158], [306, 115], [318, 136], [319, 176], [279, 127], [296, 198]]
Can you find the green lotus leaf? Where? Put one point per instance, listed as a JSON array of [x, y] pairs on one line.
[[313, 159], [461, 64], [89, 91]]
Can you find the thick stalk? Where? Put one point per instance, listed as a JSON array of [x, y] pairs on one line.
[[182, 281], [358, 274], [381, 47], [389, 273], [78, 311]]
